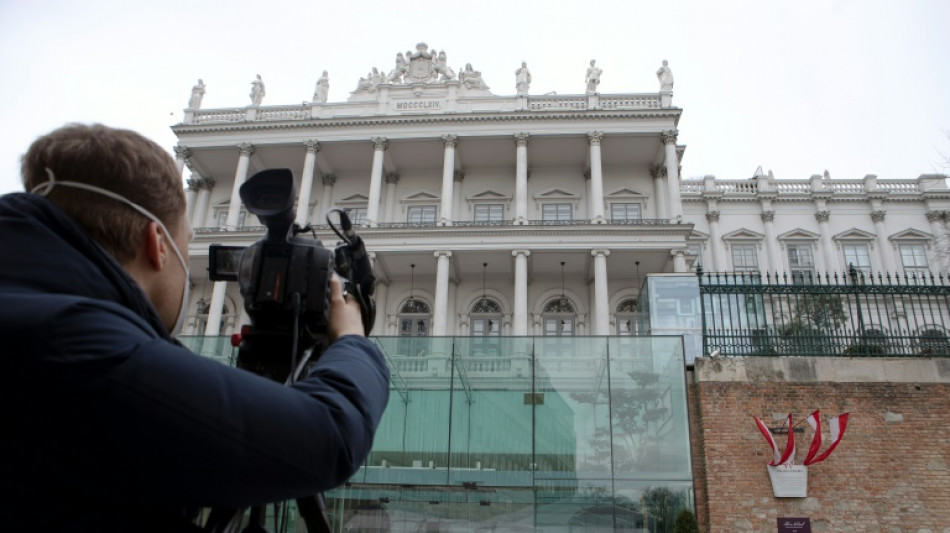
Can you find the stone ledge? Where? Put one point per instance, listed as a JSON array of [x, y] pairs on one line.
[[822, 369]]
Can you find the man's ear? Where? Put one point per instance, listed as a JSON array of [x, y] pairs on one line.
[[155, 250]]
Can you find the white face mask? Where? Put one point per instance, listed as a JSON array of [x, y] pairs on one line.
[[44, 188]]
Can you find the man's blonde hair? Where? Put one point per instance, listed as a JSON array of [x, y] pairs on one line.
[[120, 161]]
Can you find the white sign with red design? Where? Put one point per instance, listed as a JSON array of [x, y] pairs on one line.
[[788, 479]]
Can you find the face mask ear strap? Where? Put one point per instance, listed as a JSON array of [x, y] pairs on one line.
[[44, 188]]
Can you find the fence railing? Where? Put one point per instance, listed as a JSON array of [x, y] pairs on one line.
[[850, 314]]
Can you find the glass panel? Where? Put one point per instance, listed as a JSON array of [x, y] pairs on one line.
[[744, 258], [914, 259], [625, 211], [489, 212], [420, 214], [857, 255], [556, 212]]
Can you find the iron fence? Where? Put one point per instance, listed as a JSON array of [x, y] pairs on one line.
[[850, 314]]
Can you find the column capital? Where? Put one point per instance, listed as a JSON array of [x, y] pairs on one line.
[[712, 216], [450, 140], [878, 216], [936, 216], [658, 172], [442, 253], [587, 174], [246, 148], [521, 138], [208, 183], [594, 137], [380, 143], [516, 253], [768, 216], [194, 183], [459, 176], [677, 252], [668, 136], [600, 251], [823, 216], [329, 179], [392, 177], [181, 152], [312, 145]]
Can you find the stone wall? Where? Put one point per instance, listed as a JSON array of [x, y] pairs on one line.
[[891, 472]]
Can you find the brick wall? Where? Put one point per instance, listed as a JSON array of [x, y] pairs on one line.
[[891, 472]]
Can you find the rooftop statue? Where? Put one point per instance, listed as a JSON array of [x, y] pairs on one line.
[[442, 68], [257, 91], [523, 78], [472, 79], [322, 91], [665, 75], [400, 70], [197, 93], [593, 77], [370, 83]]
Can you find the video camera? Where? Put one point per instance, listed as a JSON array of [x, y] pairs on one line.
[[285, 278]]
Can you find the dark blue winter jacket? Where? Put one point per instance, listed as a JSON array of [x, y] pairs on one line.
[[111, 425]]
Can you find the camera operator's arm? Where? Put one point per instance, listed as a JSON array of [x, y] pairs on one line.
[[345, 318]]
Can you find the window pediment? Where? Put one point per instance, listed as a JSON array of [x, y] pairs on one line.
[[799, 234], [743, 235], [626, 193], [911, 234], [854, 234], [354, 200]]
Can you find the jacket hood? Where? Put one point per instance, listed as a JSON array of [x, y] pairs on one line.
[[45, 250]]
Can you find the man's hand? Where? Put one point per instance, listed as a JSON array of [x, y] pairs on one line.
[[345, 318]]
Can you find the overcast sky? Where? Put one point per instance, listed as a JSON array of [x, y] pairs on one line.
[[852, 86]]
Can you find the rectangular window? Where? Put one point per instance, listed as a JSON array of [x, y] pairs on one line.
[[222, 217], [625, 211], [489, 212], [801, 263], [857, 255], [357, 215], [422, 214], [744, 258], [914, 260], [556, 212]]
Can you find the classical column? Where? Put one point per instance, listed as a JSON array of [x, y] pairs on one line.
[[672, 174], [392, 178], [771, 244], [884, 253], [659, 190], [679, 261], [213, 327], [440, 313], [521, 178], [202, 203], [191, 194], [520, 318], [376, 180], [448, 175], [596, 178], [182, 154], [459, 177], [234, 208], [715, 243], [936, 220], [306, 182], [326, 197], [827, 247], [601, 294]]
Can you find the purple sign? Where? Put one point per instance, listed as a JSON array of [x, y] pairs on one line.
[[794, 525]]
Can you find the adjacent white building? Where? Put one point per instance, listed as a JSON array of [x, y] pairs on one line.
[[493, 211]]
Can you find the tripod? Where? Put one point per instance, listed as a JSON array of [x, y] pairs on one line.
[[312, 509]]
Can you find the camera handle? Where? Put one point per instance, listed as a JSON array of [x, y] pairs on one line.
[[353, 264]]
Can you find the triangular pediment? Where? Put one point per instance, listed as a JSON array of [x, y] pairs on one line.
[[421, 196], [743, 235], [698, 236], [626, 193], [555, 194], [354, 199], [489, 195], [911, 234], [799, 234], [854, 234]]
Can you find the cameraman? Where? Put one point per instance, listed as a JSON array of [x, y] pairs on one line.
[[110, 424]]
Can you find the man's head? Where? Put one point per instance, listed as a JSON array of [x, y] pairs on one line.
[[120, 161], [127, 164]]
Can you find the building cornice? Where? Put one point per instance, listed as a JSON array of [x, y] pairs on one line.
[[403, 120]]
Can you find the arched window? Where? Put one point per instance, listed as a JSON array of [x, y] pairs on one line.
[[414, 317], [933, 341], [559, 316], [486, 318], [626, 315]]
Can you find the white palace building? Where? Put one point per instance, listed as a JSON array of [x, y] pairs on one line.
[[527, 215]]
